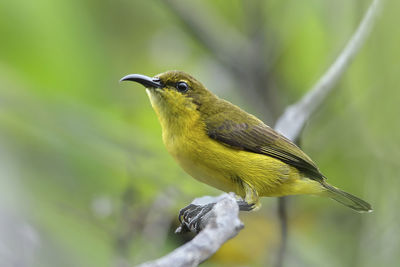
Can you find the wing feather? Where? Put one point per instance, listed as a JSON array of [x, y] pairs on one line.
[[256, 137]]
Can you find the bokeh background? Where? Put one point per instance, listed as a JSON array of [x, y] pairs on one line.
[[85, 179]]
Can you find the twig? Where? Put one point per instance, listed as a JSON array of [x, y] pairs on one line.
[[208, 29], [282, 215], [221, 225], [155, 230], [292, 121]]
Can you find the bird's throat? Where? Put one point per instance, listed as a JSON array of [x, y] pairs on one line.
[[177, 115]]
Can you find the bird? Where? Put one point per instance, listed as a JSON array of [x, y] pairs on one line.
[[219, 144]]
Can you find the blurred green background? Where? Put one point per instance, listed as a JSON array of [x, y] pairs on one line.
[[85, 179]]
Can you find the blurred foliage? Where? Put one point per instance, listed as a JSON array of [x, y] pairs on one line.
[[85, 179]]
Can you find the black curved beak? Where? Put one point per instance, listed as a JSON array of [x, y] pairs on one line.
[[143, 80]]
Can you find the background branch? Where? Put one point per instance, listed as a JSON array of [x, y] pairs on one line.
[[207, 29], [241, 55], [293, 120], [282, 216]]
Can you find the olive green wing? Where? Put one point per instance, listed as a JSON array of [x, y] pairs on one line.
[[254, 136]]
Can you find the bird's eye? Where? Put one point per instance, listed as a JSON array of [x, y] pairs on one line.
[[182, 86]]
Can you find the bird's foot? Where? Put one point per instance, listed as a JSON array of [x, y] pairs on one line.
[[244, 206], [191, 216]]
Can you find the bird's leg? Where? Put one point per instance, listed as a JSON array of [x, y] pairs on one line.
[[251, 200]]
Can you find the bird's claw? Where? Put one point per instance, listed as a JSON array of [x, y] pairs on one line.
[[183, 212], [191, 216], [244, 206]]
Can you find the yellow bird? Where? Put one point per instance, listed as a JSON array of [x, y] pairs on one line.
[[223, 146]]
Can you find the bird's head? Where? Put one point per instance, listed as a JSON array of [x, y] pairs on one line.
[[173, 93]]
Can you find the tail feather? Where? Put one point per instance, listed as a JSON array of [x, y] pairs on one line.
[[346, 199]]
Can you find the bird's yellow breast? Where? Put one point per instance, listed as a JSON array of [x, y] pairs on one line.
[[184, 135]]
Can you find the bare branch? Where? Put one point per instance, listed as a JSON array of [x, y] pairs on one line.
[[292, 122], [282, 215], [221, 224]]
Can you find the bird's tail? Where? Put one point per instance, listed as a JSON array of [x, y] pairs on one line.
[[346, 199]]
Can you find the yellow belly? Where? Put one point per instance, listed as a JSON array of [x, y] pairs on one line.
[[227, 168]]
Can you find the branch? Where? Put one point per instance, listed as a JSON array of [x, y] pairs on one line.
[[282, 215], [292, 122], [220, 225]]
